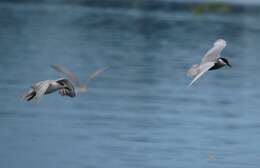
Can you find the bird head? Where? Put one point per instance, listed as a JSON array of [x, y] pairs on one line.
[[225, 61]]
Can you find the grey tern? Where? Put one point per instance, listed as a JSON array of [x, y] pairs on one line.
[[64, 86], [211, 61]]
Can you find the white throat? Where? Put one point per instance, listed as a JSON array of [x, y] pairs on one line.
[[221, 61]]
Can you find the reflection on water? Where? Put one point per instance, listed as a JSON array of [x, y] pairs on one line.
[[140, 112]]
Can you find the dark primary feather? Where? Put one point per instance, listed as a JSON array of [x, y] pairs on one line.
[[29, 95]]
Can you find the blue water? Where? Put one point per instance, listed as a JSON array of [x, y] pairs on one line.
[[139, 113]]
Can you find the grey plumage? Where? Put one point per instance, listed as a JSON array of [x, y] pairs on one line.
[[210, 61], [64, 86], [70, 75], [79, 86], [49, 86]]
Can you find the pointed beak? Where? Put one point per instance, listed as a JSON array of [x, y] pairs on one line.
[[229, 65]]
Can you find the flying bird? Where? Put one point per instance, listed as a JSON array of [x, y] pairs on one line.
[[211, 61], [79, 86], [64, 86]]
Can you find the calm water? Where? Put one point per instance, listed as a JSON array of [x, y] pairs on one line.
[[139, 113]]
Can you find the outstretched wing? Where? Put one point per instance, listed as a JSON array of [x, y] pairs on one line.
[[68, 74], [194, 70], [68, 86], [214, 53], [203, 69], [97, 73], [79, 86]]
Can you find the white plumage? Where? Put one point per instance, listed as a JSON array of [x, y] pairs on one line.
[[210, 61]]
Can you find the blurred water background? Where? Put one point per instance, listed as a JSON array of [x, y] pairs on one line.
[[139, 113]]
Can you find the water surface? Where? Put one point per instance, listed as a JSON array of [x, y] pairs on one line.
[[139, 113]]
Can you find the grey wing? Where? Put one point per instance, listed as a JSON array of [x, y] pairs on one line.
[[194, 70], [214, 53], [84, 88], [41, 88], [96, 73], [68, 86], [203, 69], [68, 74]]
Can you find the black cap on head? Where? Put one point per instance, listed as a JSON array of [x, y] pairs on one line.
[[226, 61]]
